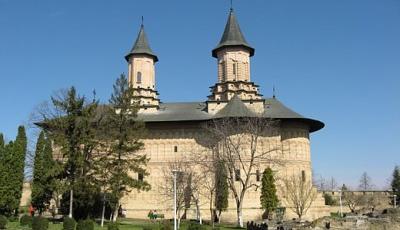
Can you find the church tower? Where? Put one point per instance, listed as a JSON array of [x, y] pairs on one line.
[[233, 58], [141, 73]]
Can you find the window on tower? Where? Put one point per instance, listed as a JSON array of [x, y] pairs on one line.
[[223, 71], [303, 175], [139, 77], [234, 68]]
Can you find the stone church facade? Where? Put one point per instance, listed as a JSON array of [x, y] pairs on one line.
[[173, 129]]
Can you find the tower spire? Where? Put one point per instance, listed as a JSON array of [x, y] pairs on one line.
[[141, 72], [141, 45], [232, 36], [273, 92]]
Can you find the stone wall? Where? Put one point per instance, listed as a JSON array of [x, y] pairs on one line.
[[290, 144], [26, 195]]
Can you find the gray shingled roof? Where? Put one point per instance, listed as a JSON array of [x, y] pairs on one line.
[[235, 108], [196, 111], [141, 46], [275, 109], [183, 111], [232, 36]]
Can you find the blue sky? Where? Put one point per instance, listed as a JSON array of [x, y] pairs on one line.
[[336, 61]]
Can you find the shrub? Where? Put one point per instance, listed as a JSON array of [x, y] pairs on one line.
[[24, 209], [40, 223], [69, 223], [3, 222], [329, 199], [25, 220], [166, 225], [147, 227], [85, 225], [13, 219], [112, 226], [195, 226]]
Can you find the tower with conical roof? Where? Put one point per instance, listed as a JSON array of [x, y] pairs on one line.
[[233, 57], [141, 73]]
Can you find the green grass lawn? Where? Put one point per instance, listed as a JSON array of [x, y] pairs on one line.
[[125, 224], [16, 226]]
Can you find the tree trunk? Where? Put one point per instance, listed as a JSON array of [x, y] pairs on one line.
[[71, 200], [211, 210], [198, 214], [57, 200], [239, 215], [219, 216], [104, 210], [115, 215]]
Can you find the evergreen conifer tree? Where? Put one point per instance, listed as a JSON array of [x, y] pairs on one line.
[[18, 164], [1, 141], [269, 199], [73, 130], [396, 182], [7, 198], [124, 133], [43, 174], [221, 188], [12, 162], [38, 171]]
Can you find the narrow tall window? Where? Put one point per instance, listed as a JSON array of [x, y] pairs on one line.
[[175, 149], [237, 174], [303, 175], [223, 71], [258, 176], [139, 77], [140, 176], [234, 69]]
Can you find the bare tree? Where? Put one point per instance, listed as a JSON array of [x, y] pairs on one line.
[[299, 194], [365, 182], [374, 199], [188, 186], [353, 200], [205, 161], [332, 184], [323, 184], [320, 183], [237, 143]]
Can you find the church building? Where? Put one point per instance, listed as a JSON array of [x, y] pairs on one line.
[[173, 128]]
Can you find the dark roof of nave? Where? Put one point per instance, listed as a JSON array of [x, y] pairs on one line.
[[232, 36], [235, 108], [196, 111], [141, 46]]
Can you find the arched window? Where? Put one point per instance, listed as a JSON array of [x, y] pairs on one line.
[[139, 77]]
